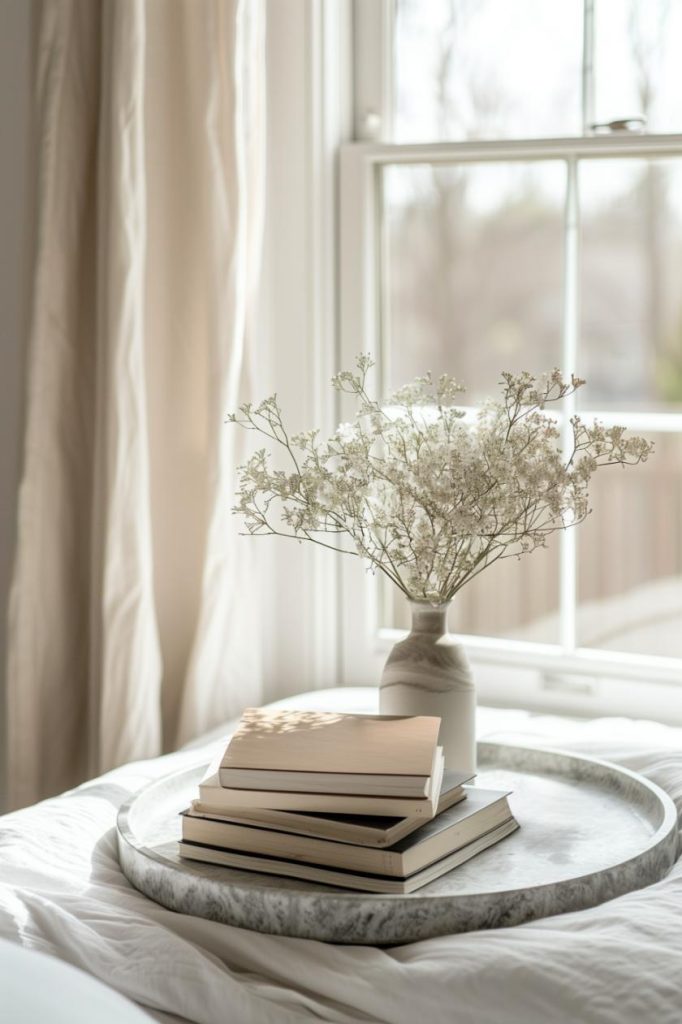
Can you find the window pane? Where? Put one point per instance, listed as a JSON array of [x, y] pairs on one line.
[[473, 69], [631, 284], [630, 556], [473, 271], [638, 72]]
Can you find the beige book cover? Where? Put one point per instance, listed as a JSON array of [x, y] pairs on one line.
[[345, 879], [361, 829], [447, 832], [324, 741], [219, 797]]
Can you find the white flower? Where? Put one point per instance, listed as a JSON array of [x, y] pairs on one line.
[[345, 431], [427, 494]]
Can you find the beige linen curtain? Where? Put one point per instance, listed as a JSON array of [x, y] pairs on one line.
[[131, 614]]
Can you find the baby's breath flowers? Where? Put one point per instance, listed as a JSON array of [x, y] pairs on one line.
[[428, 495]]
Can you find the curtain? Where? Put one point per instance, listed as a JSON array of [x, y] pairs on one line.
[[132, 623]]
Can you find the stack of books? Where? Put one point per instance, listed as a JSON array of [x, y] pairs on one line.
[[355, 801]]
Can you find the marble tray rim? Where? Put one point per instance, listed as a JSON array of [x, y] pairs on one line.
[[660, 836]]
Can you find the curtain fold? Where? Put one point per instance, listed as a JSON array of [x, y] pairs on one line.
[[132, 606], [125, 663], [224, 669]]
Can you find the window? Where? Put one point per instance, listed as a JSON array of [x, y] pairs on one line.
[[514, 201]]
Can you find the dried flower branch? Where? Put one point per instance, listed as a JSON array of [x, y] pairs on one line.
[[426, 496]]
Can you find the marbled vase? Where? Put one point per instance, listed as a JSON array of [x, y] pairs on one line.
[[428, 673]]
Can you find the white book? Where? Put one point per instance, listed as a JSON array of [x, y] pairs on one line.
[[223, 799], [482, 811], [325, 741], [346, 879], [361, 829]]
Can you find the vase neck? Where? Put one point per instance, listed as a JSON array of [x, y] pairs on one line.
[[429, 618]]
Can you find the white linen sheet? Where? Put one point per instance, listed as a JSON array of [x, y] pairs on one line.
[[62, 892]]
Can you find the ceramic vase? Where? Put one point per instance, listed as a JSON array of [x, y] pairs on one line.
[[428, 673]]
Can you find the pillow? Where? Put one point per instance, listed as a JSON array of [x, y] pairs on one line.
[[39, 989]]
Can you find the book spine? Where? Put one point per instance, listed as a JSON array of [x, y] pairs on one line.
[[355, 835], [290, 869], [391, 807], [306, 849], [333, 783]]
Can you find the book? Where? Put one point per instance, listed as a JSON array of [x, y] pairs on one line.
[[346, 879], [325, 744], [360, 829], [329, 782], [482, 811], [223, 799]]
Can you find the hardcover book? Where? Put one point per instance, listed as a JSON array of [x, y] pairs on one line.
[[482, 811], [346, 879], [360, 829], [306, 750], [329, 782], [221, 798]]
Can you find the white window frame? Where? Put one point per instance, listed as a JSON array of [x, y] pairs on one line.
[[309, 114], [543, 676]]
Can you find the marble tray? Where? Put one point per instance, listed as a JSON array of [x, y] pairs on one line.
[[590, 831]]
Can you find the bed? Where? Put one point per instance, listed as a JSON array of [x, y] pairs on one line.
[[62, 893]]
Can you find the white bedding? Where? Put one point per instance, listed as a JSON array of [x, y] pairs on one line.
[[62, 892]]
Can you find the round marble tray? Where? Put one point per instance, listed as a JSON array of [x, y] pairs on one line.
[[589, 831]]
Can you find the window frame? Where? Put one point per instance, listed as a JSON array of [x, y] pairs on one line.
[[558, 676]]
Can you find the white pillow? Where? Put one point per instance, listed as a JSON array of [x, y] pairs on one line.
[[39, 989]]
